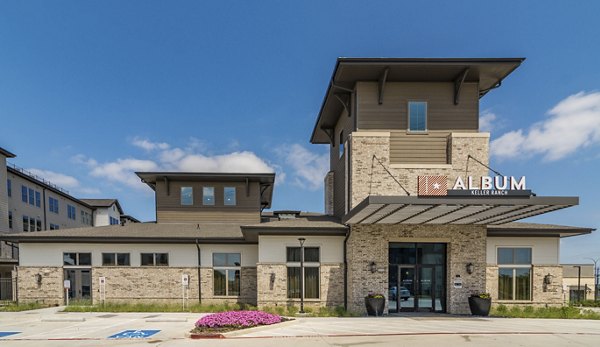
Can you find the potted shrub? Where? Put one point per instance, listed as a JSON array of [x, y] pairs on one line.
[[480, 304], [375, 304]]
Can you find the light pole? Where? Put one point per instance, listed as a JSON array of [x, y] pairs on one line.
[[301, 240], [578, 283], [595, 277]]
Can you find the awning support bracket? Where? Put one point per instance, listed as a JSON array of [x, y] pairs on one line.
[[345, 103], [330, 135], [388, 172], [458, 83]]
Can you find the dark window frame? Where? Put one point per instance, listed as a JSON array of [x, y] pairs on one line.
[[156, 256], [311, 275], [515, 278], [226, 270]]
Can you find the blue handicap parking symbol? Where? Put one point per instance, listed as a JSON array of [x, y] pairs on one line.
[[8, 333], [133, 334]]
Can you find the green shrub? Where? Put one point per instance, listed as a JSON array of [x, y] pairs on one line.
[[564, 312]]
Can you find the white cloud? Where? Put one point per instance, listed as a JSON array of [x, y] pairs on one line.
[[309, 167], [486, 121], [149, 145], [63, 181], [167, 158], [123, 170], [573, 124]]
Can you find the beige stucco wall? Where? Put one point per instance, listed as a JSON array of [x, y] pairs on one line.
[[272, 249], [370, 243], [544, 250], [50, 254]]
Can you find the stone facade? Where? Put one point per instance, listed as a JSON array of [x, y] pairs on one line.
[[49, 291], [542, 294], [369, 178], [125, 284], [328, 188], [370, 243], [272, 286]]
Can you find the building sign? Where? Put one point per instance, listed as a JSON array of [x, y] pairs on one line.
[[486, 186]]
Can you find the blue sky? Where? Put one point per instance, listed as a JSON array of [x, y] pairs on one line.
[[90, 91]]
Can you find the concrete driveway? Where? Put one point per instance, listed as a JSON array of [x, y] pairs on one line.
[[49, 327]]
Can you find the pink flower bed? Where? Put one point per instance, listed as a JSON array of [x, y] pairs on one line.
[[237, 319]]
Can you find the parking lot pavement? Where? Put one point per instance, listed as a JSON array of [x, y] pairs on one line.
[[49, 327]]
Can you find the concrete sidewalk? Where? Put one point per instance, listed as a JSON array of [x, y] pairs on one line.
[[50, 327]]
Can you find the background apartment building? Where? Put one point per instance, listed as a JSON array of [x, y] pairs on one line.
[[29, 203]]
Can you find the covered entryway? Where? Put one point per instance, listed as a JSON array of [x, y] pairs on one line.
[[80, 281], [417, 277]]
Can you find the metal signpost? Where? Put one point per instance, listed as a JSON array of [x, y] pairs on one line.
[[102, 287], [67, 286], [185, 285]]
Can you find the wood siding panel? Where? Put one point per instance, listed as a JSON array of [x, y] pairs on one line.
[[197, 216], [417, 149], [169, 208], [442, 114]]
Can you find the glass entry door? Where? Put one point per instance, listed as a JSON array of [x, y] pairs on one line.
[[81, 283], [417, 277]]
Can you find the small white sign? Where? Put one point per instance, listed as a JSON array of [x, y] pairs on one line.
[[67, 284], [102, 280], [458, 283], [185, 280]]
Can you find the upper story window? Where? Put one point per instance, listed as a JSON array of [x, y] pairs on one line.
[[28, 195], [187, 196], [113, 221], [71, 212], [9, 188], [208, 195], [417, 116], [86, 218], [229, 194], [53, 204], [10, 220], [155, 259], [115, 259], [77, 258], [514, 273], [54, 226]]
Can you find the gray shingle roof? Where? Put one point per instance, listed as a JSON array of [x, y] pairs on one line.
[[103, 203]]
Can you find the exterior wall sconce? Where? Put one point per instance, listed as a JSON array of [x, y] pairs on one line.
[[548, 279], [272, 280], [38, 278], [373, 267], [470, 268]]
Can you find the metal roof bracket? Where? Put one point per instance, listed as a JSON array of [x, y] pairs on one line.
[[458, 82], [382, 80]]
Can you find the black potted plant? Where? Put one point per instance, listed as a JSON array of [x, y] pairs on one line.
[[480, 304], [375, 304]]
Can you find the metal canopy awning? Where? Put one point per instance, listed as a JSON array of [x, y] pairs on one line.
[[483, 211]]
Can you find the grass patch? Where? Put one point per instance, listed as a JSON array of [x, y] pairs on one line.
[[290, 311], [21, 307], [564, 312], [590, 303]]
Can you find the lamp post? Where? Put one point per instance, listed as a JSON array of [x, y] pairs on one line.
[[301, 240], [595, 277], [578, 283]]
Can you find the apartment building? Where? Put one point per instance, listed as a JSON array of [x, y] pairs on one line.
[[411, 212]]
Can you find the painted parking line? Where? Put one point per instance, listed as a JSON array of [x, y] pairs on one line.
[[8, 333], [134, 334]]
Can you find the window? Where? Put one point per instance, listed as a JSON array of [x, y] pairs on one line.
[[155, 259], [115, 259], [38, 199], [53, 205], [77, 259], [208, 195], [226, 274], [10, 220], [341, 147], [26, 223], [86, 218], [24, 194], [514, 273], [417, 116], [54, 226], [71, 212], [9, 188], [31, 197], [29, 223], [113, 221], [311, 272], [229, 193], [187, 196], [38, 225]]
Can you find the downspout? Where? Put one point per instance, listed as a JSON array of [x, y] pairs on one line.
[[346, 269], [199, 279], [44, 207]]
